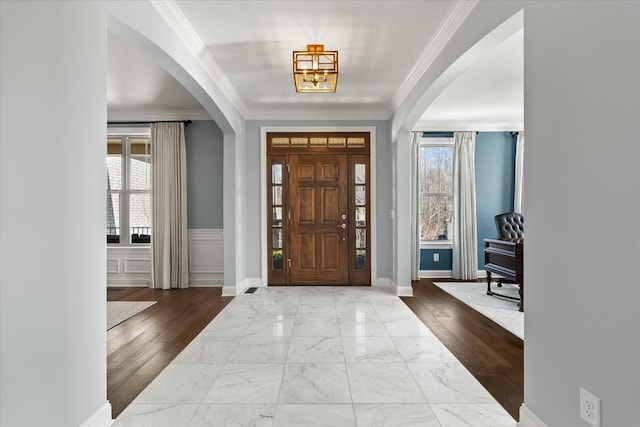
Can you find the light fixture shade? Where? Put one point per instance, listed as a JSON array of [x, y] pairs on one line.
[[315, 70]]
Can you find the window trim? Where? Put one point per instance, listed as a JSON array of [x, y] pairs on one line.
[[437, 142], [127, 133]]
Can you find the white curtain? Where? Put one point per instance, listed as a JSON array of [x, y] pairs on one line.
[[518, 191], [465, 247], [170, 263], [415, 204]]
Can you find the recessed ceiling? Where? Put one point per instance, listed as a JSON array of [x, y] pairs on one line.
[[380, 45]]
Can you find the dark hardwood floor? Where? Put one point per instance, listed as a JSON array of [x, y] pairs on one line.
[[139, 348], [491, 353]]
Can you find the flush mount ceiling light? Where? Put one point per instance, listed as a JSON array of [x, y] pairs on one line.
[[315, 70]]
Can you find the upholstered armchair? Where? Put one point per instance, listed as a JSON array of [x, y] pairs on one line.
[[510, 224]]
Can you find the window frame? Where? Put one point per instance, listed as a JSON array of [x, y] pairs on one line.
[[126, 134], [427, 141]]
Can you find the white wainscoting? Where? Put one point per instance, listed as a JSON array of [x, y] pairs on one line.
[[131, 265], [206, 257], [128, 266]]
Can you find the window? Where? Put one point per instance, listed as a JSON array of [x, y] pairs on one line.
[[436, 190], [129, 189]]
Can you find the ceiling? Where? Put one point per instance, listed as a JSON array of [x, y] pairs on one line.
[[380, 45]]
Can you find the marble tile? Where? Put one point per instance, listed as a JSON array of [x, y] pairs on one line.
[[318, 299], [315, 349], [281, 299], [180, 383], [226, 327], [381, 294], [315, 383], [393, 309], [314, 416], [156, 415], [270, 326], [473, 415], [406, 327], [233, 416], [276, 309], [351, 297], [316, 327], [363, 327], [395, 415], [370, 349], [207, 349], [317, 291], [245, 310], [260, 350], [315, 310], [246, 383], [383, 383], [423, 350], [355, 310], [315, 356], [448, 383]]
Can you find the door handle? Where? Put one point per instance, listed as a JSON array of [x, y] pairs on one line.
[[343, 225]]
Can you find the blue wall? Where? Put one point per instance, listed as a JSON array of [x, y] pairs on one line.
[[495, 169], [204, 143], [427, 262]]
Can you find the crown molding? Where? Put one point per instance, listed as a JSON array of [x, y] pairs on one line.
[[171, 13], [458, 126], [325, 113], [114, 115], [452, 22]]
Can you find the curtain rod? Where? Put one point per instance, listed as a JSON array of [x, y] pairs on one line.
[[186, 122]]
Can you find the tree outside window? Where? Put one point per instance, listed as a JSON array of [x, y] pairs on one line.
[[436, 192]]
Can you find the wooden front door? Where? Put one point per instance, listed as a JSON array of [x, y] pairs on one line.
[[318, 192], [319, 210]]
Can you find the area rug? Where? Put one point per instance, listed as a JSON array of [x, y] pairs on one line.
[[502, 311], [119, 311]]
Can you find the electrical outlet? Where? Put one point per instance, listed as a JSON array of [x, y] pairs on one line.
[[436, 257], [589, 408]]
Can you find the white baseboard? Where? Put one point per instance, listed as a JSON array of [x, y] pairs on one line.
[[435, 274], [401, 291], [448, 274], [381, 281], [249, 282], [404, 291], [206, 279], [127, 283], [254, 282], [100, 418], [529, 419]]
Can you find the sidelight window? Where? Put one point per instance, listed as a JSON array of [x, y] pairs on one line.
[[277, 216]]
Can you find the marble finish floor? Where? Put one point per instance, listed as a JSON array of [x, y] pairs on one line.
[[315, 356]]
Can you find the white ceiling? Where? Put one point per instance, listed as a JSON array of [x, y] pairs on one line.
[[488, 95], [380, 45]]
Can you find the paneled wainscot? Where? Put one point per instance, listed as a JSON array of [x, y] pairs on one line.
[[131, 265]]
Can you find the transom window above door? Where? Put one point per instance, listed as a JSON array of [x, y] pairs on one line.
[[318, 196]]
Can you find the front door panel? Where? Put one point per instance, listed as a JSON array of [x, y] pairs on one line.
[[318, 201]]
